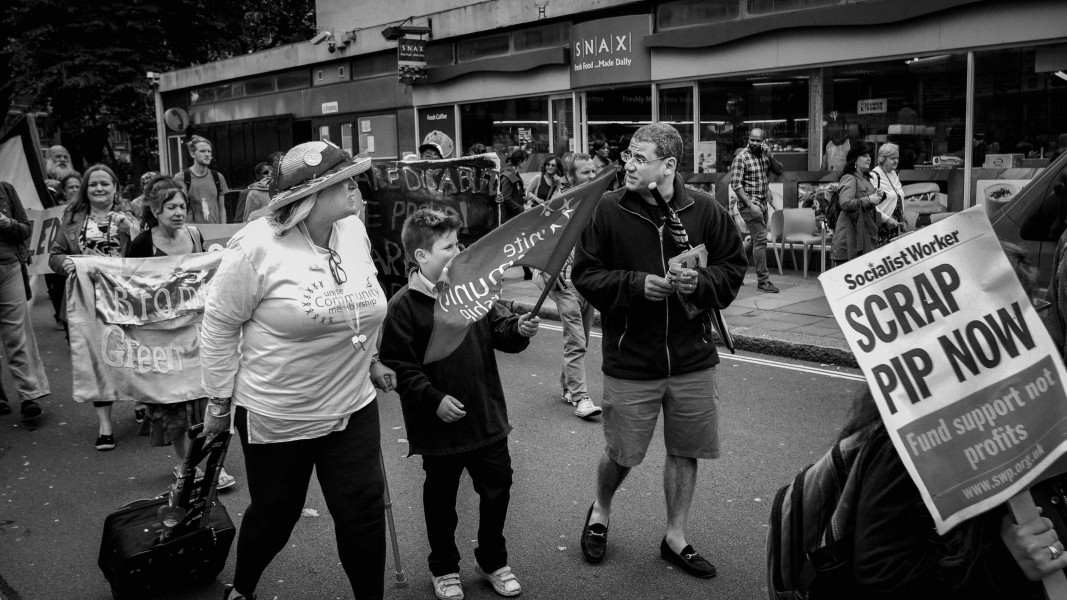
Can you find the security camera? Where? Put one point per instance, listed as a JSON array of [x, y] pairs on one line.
[[332, 46], [321, 37]]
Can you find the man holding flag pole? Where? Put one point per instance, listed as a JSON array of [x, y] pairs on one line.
[[659, 297]]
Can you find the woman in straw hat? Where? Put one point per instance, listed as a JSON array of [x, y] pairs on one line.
[[289, 357]]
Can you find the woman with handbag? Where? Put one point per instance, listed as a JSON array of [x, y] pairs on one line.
[[856, 231], [288, 350], [98, 222], [20, 345]]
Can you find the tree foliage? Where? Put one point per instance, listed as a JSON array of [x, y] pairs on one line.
[[85, 63]]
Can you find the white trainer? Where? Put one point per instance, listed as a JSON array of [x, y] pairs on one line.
[[502, 580], [585, 408], [448, 587]]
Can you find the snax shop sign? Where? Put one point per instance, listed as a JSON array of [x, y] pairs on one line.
[[611, 51]]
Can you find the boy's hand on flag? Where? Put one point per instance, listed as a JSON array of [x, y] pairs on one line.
[[450, 410], [528, 324]]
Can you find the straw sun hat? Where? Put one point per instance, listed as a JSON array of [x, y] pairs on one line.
[[311, 167]]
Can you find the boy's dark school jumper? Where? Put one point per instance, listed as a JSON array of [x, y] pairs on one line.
[[469, 375]]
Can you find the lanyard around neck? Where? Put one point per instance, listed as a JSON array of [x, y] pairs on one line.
[[358, 339]]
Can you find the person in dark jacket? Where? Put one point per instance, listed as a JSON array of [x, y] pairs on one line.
[[654, 354], [454, 408], [512, 190]]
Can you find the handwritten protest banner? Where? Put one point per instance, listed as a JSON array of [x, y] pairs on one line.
[[394, 189], [959, 363], [134, 326]]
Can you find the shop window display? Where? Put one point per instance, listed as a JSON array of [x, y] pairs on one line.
[[918, 104], [613, 116], [507, 125], [676, 110], [730, 108]]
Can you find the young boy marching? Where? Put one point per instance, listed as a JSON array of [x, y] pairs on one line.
[[454, 408]]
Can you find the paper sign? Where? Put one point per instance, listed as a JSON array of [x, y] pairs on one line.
[[965, 375]]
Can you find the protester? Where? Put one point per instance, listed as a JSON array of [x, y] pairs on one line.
[[654, 355], [20, 345], [58, 164], [257, 196], [98, 223], [55, 283], [512, 189], [856, 231], [575, 313], [454, 408], [166, 234], [545, 182], [749, 181], [302, 389], [602, 156], [897, 552], [431, 151], [205, 187], [138, 203], [886, 179]]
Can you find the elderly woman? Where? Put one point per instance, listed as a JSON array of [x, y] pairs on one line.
[[288, 350], [885, 179], [164, 212], [856, 231], [98, 222]]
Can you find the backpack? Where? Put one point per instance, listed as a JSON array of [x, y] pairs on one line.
[[187, 174], [833, 209], [809, 546]]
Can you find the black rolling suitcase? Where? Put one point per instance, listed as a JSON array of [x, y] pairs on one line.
[[182, 538]]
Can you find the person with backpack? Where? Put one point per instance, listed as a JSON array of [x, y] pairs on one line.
[[204, 186], [856, 229]]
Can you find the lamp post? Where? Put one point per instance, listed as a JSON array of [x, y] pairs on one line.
[[161, 130]]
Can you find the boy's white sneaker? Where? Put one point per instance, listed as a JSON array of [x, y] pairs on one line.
[[448, 587], [585, 408], [502, 580]]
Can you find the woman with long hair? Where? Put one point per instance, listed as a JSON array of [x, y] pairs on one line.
[[856, 231], [98, 222], [544, 183], [288, 350]]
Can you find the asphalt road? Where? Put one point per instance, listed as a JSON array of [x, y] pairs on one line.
[[55, 489]]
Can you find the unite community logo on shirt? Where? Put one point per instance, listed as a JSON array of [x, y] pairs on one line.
[[327, 306]]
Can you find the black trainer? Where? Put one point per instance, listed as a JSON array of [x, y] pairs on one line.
[[226, 594], [30, 409], [105, 442], [690, 562]]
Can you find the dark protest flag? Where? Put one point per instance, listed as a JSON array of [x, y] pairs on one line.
[[541, 238], [681, 239]]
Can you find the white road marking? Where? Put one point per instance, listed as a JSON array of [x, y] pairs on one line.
[[754, 360]]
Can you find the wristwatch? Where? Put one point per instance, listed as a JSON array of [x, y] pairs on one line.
[[218, 410]]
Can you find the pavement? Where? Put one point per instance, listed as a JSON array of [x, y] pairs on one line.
[[794, 323]]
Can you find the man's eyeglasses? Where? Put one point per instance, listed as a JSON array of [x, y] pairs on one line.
[[339, 275], [755, 141], [640, 161]]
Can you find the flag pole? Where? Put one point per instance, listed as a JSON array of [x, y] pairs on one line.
[[536, 310]]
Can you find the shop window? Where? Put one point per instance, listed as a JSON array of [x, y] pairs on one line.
[[613, 116], [546, 36], [346, 137], [687, 13], [767, 7], [562, 126], [506, 125], [919, 104], [729, 109], [377, 136], [483, 47], [676, 110], [202, 95], [1017, 109]]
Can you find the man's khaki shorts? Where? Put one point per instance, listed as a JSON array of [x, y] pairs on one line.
[[690, 416]]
